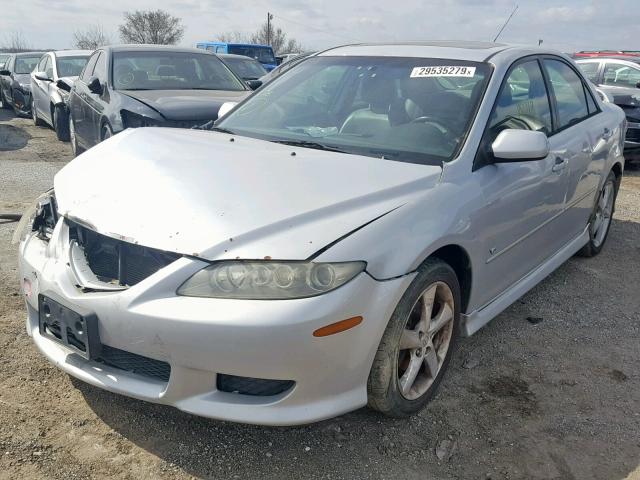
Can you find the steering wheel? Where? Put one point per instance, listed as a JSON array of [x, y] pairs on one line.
[[438, 123]]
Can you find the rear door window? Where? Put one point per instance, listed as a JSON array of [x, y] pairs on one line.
[[569, 93]]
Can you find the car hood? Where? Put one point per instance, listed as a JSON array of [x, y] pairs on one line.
[[215, 196], [186, 104]]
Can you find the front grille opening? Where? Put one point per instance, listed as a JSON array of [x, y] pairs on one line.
[[116, 261], [259, 387], [134, 363]]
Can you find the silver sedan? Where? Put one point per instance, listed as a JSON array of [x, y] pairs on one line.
[[51, 82], [329, 242]]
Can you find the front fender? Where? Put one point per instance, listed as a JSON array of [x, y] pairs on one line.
[[399, 242]]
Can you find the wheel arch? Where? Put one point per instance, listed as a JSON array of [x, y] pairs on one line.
[[459, 260]]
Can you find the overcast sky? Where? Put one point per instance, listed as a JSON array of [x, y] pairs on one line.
[[568, 25]]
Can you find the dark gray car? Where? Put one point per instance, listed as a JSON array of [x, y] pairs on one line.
[[15, 83], [131, 86], [618, 79]]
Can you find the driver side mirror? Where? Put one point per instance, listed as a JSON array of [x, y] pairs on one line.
[[42, 76], [520, 146], [225, 108], [254, 84], [94, 85], [5, 72], [638, 85]]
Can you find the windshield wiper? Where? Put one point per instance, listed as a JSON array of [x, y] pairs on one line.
[[222, 130], [308, 144]]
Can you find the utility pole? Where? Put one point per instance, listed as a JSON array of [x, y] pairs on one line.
[[269, 18]]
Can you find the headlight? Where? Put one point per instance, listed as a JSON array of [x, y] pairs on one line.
[[269, 280], [41, 216], [133, 120]]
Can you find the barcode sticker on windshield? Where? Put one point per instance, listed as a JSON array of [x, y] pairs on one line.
[[443, 71]]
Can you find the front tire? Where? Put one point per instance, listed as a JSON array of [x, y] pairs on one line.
[[600, 221], [417, 345], [106, 132], [75, 148], [34, 115], [5, 105], [61, 123]]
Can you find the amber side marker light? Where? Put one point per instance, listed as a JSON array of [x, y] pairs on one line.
[[338, 327]]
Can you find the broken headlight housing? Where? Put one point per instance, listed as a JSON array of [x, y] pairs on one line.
[[40, 217], [269, 280]]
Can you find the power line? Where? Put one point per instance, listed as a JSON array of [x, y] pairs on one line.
[[315, 28]]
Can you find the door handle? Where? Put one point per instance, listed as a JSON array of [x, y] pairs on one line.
[[607, 134], [559, 164]]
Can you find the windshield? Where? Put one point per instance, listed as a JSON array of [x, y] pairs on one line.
[[171, 71], [71, 66], [246, 68], [409, 109], [261, 54], [26, 64]]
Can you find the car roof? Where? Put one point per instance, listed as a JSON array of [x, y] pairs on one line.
[[153, 48], [231, 55], [72, 53], [474, 51], [612, 58], [28, 54]]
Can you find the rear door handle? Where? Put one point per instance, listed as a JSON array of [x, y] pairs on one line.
[[607, 134], [559, 164]]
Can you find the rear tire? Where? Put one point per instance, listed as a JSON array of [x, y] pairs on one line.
[[600, 221], [414, 354], [61, 123]]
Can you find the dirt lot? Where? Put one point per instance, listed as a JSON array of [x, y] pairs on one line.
[[553, 398]]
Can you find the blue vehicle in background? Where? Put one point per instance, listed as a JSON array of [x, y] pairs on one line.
[[262, 53]]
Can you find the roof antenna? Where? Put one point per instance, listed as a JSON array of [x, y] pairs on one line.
[[506, 23]]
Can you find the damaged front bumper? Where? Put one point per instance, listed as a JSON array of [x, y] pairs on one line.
[[240, 360]]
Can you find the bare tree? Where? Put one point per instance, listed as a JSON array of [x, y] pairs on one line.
[[91, 38], [232, 37], [15, 42], [151, 26], [277, 38]]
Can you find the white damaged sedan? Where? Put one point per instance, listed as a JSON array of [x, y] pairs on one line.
[[324, 247]]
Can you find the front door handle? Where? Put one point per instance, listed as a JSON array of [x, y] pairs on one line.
[[607, 134], [559, 164]]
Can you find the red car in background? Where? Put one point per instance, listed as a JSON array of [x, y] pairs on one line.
[[607, 53]]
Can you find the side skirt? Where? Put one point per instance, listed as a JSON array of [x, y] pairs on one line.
[[474, 321]]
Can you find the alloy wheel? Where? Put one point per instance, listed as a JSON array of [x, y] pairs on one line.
[[425, 340], [604, 211]]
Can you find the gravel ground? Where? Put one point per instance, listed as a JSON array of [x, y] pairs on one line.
[[556, 398]]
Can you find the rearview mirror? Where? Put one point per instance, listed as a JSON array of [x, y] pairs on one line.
[[254, 84], [225, 108], [520, 145], [94, 85], [5, 72], [42, 76]]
